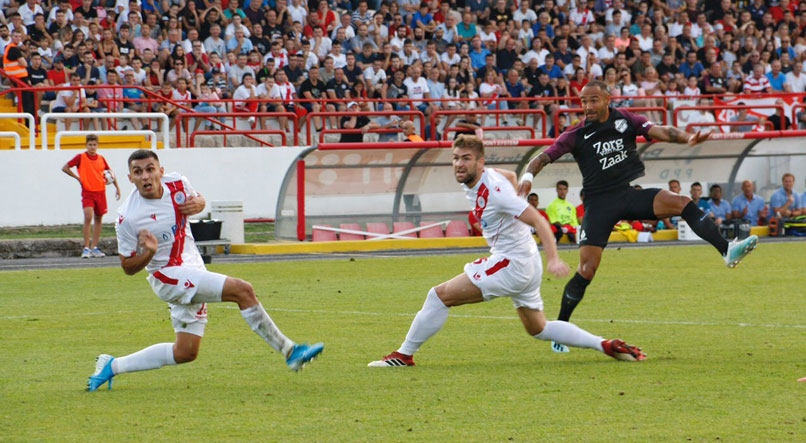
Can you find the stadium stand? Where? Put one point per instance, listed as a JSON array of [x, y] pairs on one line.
[[503, 57]]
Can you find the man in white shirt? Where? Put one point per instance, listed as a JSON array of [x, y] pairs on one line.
[[153, 233], [513, 270], [796, 79]]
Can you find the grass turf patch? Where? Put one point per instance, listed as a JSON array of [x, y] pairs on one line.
[[725, 348]]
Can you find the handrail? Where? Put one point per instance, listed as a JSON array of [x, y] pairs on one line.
[[152, 135], [680, 109], [281, 133], [15, 136], [84, 115], [215, 118], [767, 124], [325, 130], [484, 111], [31, 125]]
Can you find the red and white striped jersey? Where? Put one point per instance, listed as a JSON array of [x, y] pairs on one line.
[[753, 85], [161, 217], [497, 205]]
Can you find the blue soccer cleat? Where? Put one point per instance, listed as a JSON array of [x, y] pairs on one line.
[[559, 348], [103, 373], [302, 354], [738, 250]]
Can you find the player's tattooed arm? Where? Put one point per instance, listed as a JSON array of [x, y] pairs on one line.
[[538, 163], [675, 135]]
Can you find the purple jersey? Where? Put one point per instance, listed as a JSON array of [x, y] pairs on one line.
[[606, 153]]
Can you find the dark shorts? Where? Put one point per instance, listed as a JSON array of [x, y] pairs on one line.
[[95, 200], [603, 211]]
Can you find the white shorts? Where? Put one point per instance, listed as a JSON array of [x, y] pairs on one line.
[[187, 290], [518, 279]]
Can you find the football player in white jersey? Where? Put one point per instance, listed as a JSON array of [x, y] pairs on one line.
[[514, 269], [153, 234]]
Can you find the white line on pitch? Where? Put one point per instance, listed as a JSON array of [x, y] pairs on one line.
[[463, 316]]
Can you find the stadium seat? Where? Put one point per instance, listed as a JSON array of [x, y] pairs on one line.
[[457, 228], [432, 232], [404, 226], [323, 235], [345, 236], [377, 228]]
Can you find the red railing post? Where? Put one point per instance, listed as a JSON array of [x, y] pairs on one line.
[[300, 199]]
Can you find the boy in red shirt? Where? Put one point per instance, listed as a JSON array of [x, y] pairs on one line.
[[91, 168]]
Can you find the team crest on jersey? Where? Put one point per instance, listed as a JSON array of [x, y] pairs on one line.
[[621, 125], [481, 202], [179, 197]]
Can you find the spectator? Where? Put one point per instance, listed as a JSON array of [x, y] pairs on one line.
[[355, 121], [388, 121], [206, 104], [214, 42], [562, 214], [691, 66], [246, 98], [785, 202], [410, 132], [749, 206], [743, 116], [696, 196], [776, 78], [466, 29], [796, 80], [71, 100], [757, 83], [718, 209]]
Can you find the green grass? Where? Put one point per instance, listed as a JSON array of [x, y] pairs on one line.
[[725, 348], [253, 232]]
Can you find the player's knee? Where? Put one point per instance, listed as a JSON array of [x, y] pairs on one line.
[[185, 355], [587, 269]]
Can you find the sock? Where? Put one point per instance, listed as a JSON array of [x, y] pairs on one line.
[[572, 295], [258, 319], [426, 323], [704, 226], [152, 357], [571, 335]]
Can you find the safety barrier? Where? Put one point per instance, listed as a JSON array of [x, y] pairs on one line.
[[767, 125], [83, 115], [325, 130], [519, 113], [15, 136], [217, 119], [57, 142], [31, 126]]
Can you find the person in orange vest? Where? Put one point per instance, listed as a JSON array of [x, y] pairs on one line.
[[14, 62], [15, 65], [409, 133], [92, 174]]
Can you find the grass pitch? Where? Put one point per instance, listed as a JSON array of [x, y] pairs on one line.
[[725, 348]]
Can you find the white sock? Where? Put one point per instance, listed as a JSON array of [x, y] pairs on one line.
[[571, 335], [258, 319], [152, 357], [426, 323]]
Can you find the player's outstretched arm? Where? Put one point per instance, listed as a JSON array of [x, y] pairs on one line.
[[675, 135], [554, 263], [533, 168]]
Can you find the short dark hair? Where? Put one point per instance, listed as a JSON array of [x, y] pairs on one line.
[[142, 154], [562, 182]]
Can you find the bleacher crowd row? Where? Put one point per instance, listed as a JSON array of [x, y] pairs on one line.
[[483, 51]]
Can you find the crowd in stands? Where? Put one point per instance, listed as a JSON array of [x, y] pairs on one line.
[[264, 54]]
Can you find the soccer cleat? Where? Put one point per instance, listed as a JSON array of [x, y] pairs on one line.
[[622, 351], [86, 253], [97, 253], [392, 360], [103, 373], [738, 250], [302, 354], [559, 348]]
